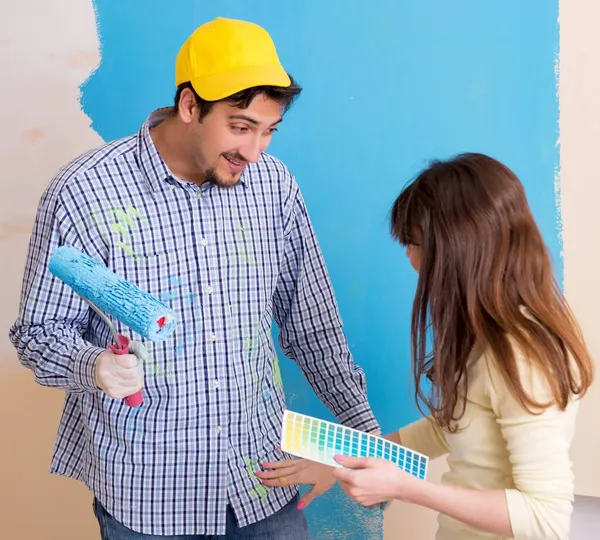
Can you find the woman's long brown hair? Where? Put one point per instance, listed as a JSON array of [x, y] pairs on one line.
[[485, 278]]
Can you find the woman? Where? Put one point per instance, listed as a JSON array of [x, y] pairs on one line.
[[505, 372], [507, 367]]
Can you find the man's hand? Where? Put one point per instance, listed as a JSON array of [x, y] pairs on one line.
[[299, 471], [119, 376]]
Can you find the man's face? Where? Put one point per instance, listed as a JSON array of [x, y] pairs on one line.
[[228, 138]]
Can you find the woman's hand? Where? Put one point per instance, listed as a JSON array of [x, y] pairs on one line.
[[373, 481], [299, 471], [370, 481]]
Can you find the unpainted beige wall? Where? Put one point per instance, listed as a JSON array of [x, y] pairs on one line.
[[580, 185], [44, 58]]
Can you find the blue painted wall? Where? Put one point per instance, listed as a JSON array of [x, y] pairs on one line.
[[386, 89]]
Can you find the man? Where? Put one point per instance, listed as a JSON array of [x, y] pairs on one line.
[[192, 210]]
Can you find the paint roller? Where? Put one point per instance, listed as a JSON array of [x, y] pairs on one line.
[[106, 292]]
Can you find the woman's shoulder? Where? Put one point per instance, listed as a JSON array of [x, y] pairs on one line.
[[502, 376]]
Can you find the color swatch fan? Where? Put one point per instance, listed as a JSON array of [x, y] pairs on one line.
[[319, 440]]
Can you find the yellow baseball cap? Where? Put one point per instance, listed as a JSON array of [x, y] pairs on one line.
[[225, 56]]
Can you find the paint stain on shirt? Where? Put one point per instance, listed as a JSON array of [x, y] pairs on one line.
[[259, 489]]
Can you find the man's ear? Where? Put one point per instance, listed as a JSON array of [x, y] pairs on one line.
[[188, 108]]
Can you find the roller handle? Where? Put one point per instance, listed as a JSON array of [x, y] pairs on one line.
[[135, 400]]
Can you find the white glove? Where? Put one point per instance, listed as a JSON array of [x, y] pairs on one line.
[[121, 375]]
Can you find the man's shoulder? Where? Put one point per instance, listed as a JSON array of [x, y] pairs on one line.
[[92, 164], [270, 168], [269, 160]]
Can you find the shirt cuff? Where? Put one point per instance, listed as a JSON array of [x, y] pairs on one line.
[[517, 512], [361, 418], [84, 368]]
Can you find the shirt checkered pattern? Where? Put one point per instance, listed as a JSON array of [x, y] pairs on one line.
[[228, 260]]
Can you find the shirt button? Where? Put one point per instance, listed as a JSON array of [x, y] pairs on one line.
[[197, 195], [218, 430], [204, 241], [171, 187], [213, 337], [209, 289], [216, 383]]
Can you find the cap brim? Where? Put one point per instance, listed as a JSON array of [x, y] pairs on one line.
[[222, 85]]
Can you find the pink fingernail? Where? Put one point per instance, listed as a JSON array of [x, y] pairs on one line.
[[258, 473], [339, 458], [301, 506]]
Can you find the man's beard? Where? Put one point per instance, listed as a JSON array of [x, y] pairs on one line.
[[212, 177]]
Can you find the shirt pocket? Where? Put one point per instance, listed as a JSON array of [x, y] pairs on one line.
[[165, 276], [170, 277]]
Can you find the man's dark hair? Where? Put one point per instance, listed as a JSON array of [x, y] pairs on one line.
[[285, 95]]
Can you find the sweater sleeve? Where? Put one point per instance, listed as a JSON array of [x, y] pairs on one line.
[[426, 437], [540, 504]]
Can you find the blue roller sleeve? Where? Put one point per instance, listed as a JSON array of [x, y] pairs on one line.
[[127, 303]]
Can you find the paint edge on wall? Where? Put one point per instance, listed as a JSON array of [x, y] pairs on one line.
[[100, 50], [557, 169], [558, 166]]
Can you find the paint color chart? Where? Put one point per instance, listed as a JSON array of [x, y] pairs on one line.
[[320, 440]]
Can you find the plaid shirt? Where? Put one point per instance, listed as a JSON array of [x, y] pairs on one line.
[[228, 260]]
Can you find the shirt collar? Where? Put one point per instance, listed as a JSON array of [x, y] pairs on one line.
[[152, 164]]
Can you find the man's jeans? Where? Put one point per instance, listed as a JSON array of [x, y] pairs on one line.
[[287, 524]]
